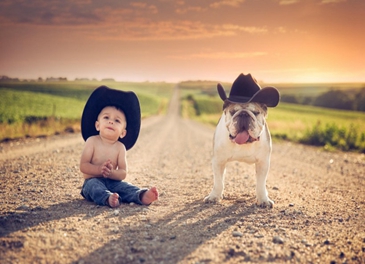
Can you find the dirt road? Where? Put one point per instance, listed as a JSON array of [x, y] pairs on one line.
[[318, 216]]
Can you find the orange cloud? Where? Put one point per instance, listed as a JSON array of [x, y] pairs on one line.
[[231, 3], [220, 55], [142, 29], [149, 8], [288, 2], [236, 28], [188, 9], [332, 1]]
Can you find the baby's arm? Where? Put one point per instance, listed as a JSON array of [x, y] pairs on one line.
[[86, 167], [120, 172]]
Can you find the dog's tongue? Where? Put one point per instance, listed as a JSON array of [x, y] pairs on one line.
[[242, 137]]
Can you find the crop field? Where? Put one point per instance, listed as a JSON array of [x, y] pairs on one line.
[[44, 108], [34, 108], [315, 89], [290, 119], [331, 128], [300, 89]]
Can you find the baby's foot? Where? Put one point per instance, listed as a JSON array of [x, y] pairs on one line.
[[113, 200], [149, 196]]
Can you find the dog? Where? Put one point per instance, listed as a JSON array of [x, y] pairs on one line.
[[242, 134]]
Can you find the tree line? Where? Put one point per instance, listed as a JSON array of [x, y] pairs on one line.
[[337, 99]]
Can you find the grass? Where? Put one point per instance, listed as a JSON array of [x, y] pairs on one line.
[[298, 89], [315, 89], [298, 118], [330, 128], [332, 136], [20, 106], [45, 108]]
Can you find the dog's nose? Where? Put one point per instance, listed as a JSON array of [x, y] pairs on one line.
[[243, 114]]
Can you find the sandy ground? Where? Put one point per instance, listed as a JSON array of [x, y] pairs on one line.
[[318, 216]]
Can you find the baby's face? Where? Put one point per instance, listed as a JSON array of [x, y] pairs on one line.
[[111, 123]]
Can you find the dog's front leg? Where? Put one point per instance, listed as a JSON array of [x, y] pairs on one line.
[[219, 171], [262, 169]]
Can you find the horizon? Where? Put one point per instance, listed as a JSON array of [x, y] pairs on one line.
[[277, 41], [57, 79]]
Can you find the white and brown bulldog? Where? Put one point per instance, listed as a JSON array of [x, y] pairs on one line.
[[242, 134]]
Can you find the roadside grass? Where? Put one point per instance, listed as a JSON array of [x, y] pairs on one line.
[[44, 108], [41, 109], [332, 129], [297, 89], [20, 106]]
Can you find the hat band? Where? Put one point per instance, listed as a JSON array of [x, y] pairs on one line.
[[239, 99]]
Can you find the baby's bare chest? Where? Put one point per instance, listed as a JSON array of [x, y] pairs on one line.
[[102, 154]]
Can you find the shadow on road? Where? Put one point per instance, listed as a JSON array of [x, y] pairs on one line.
[[29, 217], [196, 222]]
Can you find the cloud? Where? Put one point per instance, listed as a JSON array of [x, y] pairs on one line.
[[184, 10], [162, 30], [120, 20], [237, 28], [179, 30], [332, 1], [219, 55], [231, 3], [40, 12], [280, 30], [288, 2], [68, 12], [144, 6]]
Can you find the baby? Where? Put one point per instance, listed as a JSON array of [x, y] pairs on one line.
[[103, 160]]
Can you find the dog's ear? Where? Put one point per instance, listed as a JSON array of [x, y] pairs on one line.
[[226, 104], [264, 108], [221, 92]]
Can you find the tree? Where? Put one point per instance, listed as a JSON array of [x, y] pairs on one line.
[[360, 100], [335, 99]]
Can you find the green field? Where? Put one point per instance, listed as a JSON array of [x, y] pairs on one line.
[[44, 108], [300, 89], [333, 129]]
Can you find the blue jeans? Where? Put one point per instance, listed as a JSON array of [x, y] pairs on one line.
[[98, 190]]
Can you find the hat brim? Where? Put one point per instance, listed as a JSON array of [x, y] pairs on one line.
[[269, 96], [104, 96]]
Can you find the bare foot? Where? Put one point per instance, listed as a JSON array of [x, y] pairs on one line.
[[149, 196], [113, 200]]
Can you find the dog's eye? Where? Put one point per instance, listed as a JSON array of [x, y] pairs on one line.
[[256, 113], [232, 112]]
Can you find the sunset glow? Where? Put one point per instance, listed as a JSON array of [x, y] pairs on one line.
[[164, 40]]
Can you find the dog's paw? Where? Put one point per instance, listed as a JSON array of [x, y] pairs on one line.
[[212, 199], [266, 203]]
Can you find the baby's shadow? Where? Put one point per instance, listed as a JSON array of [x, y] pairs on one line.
[[26, 217]]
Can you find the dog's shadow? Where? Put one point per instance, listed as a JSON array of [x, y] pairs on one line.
[[177, 235]]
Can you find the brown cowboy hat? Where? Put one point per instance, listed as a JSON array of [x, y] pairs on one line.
[[245, 89], [126, 101]]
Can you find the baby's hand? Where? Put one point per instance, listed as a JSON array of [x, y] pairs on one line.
[[106, 169]]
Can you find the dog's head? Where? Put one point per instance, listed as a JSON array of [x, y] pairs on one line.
[[245, 109], [245, 121]]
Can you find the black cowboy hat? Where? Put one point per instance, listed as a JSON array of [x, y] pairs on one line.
[[104, 96], [245, 89]]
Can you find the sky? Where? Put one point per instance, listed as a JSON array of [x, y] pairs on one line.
[[163, 40]]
